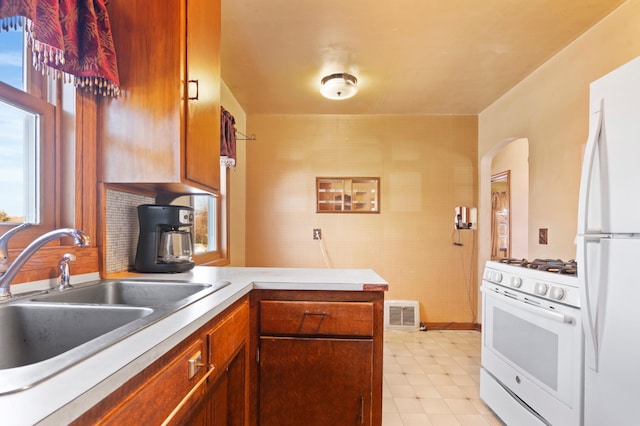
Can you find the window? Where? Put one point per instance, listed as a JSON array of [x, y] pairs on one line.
[[210, 226], [204, 228], [12, 59], [18, 172], [27, 145], [62, 181]]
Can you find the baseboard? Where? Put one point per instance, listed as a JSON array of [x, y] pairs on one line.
[[453, 326]]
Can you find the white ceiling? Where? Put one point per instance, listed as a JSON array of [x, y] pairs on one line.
[[410, 56]]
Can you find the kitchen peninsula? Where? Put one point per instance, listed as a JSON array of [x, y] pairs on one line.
[[331, 305]]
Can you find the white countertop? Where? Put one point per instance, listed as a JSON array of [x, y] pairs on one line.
[[65, 396]]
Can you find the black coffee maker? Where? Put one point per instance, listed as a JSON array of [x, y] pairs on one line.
[[165, 243]]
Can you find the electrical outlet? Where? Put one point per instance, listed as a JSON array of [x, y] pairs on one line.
[[317, 233], [542, 235]]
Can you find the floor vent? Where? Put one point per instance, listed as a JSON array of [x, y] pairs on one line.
[[403, 315]]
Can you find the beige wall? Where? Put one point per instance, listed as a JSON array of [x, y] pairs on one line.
[[427, 166], [550, 108], [237, 180]]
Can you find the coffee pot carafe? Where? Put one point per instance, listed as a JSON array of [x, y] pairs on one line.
[[165, 243], [174, 246]]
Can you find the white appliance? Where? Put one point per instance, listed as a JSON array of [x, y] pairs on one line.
[[608, 249], [532, 342]]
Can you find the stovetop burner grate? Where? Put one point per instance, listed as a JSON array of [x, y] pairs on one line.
[[549, 265]]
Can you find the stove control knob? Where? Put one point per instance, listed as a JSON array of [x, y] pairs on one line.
[[557, 293], [497, 277], [516, 282], [540, 289]]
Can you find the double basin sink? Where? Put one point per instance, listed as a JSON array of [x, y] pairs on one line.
[[47, 333]]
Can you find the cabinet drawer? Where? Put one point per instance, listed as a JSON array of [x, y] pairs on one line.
[[316, 318], [157, 397]]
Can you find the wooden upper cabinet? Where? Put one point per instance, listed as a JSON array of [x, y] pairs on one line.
[[203, 49], [164, 129]]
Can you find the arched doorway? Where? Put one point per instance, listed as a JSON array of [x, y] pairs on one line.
[[509, 154]]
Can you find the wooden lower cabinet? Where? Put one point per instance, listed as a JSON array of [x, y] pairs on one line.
[[320, 357], [164, 393], [311, 381], [275, 357]]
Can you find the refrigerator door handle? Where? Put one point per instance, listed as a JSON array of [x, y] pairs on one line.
[[589, 323], [587, 169]]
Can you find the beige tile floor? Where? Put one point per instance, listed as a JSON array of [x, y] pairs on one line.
[[433, 378]]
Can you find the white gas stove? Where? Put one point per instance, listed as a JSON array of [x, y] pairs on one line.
[[532, 342]]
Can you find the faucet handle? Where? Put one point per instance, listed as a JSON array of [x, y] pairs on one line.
[[68, 257], [65, 276]]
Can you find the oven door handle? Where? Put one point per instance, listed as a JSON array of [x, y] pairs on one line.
[[535, 309], [552, 315]]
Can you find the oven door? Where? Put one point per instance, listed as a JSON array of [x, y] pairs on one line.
[[533, 348]]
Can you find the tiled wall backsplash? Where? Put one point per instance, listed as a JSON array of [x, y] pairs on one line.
[[122, 228]]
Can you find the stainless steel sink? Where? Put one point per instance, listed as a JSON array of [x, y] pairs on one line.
[[31, 333], [132, 293], [43, 335]]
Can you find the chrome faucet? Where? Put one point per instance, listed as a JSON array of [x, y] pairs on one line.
[[4, 243], [79, 238]]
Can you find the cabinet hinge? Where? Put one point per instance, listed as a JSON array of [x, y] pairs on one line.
[[258, 356]]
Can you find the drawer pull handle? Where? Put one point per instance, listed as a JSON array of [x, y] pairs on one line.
[[320, 314], [212, 368], [193, 90], [194, 364]]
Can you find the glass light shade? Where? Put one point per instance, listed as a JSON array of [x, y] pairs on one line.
[[339, 86]]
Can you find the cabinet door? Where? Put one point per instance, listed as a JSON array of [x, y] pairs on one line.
[[212, 410], [226, 338], [140, 133], [202, 148], [228, 345], [164, 130], [315, 381]]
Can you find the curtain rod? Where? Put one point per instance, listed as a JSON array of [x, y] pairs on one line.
[[245, 137]]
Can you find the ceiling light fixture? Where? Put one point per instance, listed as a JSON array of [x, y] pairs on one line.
[[339, 86]]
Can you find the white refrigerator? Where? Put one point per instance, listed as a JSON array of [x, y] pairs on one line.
[[608, 250]]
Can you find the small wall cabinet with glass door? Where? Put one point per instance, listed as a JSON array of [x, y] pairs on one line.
[[347, 195]]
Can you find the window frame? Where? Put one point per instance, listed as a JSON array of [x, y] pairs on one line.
[[48, 150], [36, 98], [68, 199]]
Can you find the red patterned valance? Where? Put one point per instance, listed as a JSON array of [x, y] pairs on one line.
[[71, 38], [227, 139]]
